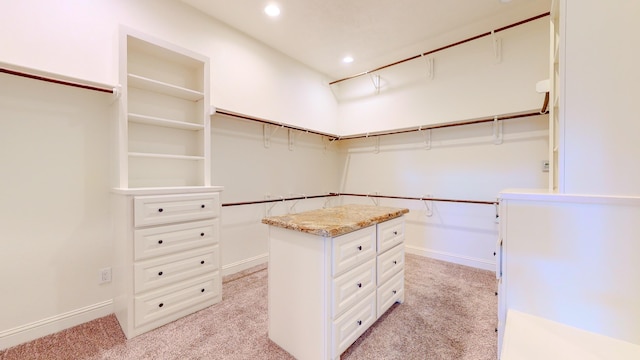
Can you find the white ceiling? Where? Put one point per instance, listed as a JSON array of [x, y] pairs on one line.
[[319, 33]]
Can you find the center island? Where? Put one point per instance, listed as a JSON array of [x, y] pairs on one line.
[[332, 273]]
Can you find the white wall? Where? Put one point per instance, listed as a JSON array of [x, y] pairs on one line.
[[250, 171], [79, 38], [54, 213], [601, 78], [469, 82], [463, 163]]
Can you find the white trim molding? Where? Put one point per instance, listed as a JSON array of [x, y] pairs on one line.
[[53, 324], [452, 258], [244, 264]]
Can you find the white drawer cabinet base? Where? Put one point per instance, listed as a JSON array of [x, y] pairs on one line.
[[326, 292]]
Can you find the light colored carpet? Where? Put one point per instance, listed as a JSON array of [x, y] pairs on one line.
[[449, 313]]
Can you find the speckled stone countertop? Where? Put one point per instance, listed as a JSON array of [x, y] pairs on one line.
[[335, 221]]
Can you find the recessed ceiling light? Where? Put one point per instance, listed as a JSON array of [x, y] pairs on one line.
[[347, 59], [272, 10]]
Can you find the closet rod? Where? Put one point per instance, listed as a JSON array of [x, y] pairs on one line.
[[56, 81], [439, 126], [274, 123], [422, 198], [278, 200], [442, 48]]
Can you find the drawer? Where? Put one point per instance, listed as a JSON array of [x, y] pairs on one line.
[[390, 293], [166, 209], [348, 327], [390, 263], [151, 274], [352, 249], [390, 234], [169, 239], [353, 286], [155, 306]]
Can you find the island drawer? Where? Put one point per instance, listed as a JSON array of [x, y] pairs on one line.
[[390, 293], [390, 263], [353, 286], [352, 249], [166, 209], [352, 324], [390, 234]]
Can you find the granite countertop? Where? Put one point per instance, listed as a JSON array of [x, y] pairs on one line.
[[335, 221]]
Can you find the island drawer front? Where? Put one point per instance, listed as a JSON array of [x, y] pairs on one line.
[[352, 324], [168, 239], [151, 274], [390, 263], [390, 292], [353, 286], [158, 305], [353, 248], [166, 209], [390, 234]]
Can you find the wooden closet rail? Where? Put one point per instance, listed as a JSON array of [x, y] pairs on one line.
[[422, 199], [274, 123], [56, 81], [443, 47], [278, 200], [445, 125]]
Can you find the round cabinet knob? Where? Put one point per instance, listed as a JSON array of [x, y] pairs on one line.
[[160, 242], [359, 322], [360, 248], [201, 262], [359, 285], [160, 305], [201, 234], [394, 292], [160, 273], [160, 210], [202, 290], [395, 232], [395, 262], [202, 206]]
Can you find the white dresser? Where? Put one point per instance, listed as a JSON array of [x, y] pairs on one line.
[[168, 253], [326, 291]]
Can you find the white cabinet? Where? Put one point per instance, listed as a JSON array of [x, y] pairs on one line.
[[325, 292], [163, 130], [168, 257]]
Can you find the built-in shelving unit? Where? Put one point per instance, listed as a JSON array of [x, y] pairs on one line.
[[164, 131]]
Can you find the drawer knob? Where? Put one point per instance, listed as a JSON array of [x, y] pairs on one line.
[[201, 234], [201, 262], [394, 292], [494, 253], [360, 247], [395, 262], [160, 210], [202, 290], [359, 322], [359, 284], [160, 273], [202, 206], [395, 232], [160, 305], [160, 242]]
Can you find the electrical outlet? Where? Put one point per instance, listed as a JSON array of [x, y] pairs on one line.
[[105, 275], [545, 166]]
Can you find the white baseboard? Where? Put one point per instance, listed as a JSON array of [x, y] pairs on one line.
[[452, 258], [53, 324], [244, 264]]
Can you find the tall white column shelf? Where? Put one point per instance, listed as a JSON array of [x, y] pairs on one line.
[[164, 128], [166, 212]]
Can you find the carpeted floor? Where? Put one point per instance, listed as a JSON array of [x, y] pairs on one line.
[[449, 313]]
